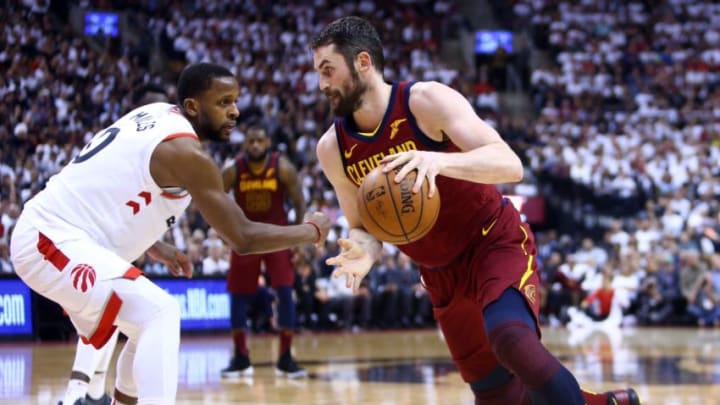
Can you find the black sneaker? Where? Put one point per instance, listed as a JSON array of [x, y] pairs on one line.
[[103, 400], [287, 367], [240, 366]]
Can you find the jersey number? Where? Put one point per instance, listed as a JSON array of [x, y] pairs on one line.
[[96, 144]]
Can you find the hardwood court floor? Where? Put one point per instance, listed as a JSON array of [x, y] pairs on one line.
[[666, 366]]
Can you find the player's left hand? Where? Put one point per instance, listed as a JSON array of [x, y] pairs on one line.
[[175, 260], [353, 262], [426, 163]]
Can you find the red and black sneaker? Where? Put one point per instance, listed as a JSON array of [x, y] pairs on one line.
[[623, 397]]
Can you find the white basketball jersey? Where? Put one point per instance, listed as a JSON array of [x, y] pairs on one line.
[[107, 193]]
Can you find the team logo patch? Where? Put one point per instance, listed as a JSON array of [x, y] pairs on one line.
[[83, 277], [529, 291]]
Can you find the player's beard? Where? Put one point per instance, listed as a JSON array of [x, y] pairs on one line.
[[351, 97], [257, 158], [208, 132]]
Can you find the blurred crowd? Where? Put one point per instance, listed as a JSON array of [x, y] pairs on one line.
[[627, 115], [628, 111]]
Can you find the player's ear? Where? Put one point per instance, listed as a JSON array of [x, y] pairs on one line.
[[191, 107], [363, 61]]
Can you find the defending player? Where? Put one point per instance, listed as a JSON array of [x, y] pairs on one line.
[[478, 262], [75, 240], [261, 182], [86, 385]]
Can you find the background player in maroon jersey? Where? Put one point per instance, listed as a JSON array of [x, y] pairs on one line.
[[262, 181], [478, 261]]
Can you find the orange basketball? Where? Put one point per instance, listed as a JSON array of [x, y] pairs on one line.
[[391, 212]]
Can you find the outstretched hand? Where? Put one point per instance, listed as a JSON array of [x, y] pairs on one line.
[[176, 261], [425, 162], [354, 262]]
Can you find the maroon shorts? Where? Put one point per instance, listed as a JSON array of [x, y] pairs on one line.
[[503, 258], [245, 270]]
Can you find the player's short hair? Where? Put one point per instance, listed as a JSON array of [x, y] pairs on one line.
[[352, 35], [256, 124], [197, 78], [140, 92]]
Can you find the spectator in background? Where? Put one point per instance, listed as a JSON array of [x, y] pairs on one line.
[[597, 305], [5, 264], [653, 307], [339, 304], [305, 292], [215, 264], [195, 255]]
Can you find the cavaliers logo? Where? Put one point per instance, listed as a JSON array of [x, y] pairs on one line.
[[529, 291], [83, 277]]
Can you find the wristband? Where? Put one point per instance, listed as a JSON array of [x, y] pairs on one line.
[[317, 229]]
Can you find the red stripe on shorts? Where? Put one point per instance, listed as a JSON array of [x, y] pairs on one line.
[[106, 326], [51, 253]]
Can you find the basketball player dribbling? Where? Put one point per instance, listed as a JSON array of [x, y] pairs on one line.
[[478, 262], [75, 240]]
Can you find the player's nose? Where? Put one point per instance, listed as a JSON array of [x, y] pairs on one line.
[[234, 112]]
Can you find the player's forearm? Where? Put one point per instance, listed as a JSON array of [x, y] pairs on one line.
[[260, 237], [490, 164], [371, 245]]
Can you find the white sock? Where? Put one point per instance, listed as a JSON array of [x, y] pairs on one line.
[[96, 388], [76, 389]]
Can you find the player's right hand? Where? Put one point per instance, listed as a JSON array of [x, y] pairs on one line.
[[323, 222], [354, 262]]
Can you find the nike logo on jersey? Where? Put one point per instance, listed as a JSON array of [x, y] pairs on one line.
[[395, 127], [348, 152], [487, 230]]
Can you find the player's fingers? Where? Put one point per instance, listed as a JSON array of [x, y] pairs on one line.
[[339, 272], [333, 261], [410, 165], [343, 243], [390, 158], [433, 186], [390, 162], [356, 284], [350, 280], [422, 172], [187, 269], [174, 267]]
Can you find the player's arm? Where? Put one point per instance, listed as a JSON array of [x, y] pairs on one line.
[[443, 113], [361, 249], [289, 177], [182, 162], [229, 176]]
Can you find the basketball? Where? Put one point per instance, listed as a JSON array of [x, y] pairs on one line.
[[391, 212]]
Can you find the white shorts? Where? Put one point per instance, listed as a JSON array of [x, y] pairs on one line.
[[88, 281]]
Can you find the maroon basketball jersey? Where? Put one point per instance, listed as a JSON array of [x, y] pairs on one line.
[[465, 206], [261, 195]]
